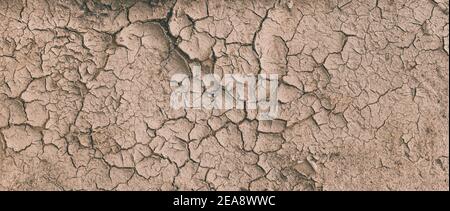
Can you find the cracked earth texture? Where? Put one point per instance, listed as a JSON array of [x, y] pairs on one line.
[[84, 95]]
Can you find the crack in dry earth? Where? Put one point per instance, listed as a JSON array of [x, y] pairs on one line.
[[85, 93]]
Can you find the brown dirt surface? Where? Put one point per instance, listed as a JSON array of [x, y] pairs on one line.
[[85, 92]]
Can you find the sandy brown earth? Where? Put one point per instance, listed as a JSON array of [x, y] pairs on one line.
[[84, 95]]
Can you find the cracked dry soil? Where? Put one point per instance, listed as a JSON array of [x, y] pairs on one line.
[[84, 95]]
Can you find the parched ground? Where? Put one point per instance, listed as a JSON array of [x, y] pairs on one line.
[[84, 95]]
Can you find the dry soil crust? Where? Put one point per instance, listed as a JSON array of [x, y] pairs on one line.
[[84, 95]]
